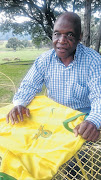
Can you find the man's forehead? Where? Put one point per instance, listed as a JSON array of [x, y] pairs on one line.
[[63, 24], [66, 16]]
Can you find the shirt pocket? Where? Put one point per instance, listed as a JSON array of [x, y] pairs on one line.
[[79, 92]]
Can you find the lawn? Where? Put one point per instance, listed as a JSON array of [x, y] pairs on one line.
[[26, 54], [15, 70], [15, 73]]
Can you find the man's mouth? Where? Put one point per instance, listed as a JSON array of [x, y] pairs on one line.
[[61, 49]]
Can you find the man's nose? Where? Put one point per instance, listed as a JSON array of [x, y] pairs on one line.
[[62, 39]]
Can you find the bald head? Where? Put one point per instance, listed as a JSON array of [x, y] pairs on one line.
[[74, 19]]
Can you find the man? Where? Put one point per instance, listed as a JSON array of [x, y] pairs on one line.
[[71, 73]]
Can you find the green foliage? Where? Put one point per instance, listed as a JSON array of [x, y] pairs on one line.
[[25, 44], [15, 43], [42, 15], [38, 37]]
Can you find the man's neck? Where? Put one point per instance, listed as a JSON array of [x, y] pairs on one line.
[[67, 61]]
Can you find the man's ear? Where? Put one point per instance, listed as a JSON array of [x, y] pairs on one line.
[[81, 35]]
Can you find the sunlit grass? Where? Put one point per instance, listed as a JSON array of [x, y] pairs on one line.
[[15, 70], [25, 54], [22, 55], [16, 73]]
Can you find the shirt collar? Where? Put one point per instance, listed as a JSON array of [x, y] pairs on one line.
[[77, 50]]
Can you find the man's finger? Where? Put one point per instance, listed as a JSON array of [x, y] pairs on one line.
[[27, 112], [20, 112], [82, 128], [12, 119], [17, 111], [15, 117], [94, 135], [89, 131], [7, 118], [75, 130]]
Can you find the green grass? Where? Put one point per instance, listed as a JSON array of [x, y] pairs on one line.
[[16, 73], [25, 54], [15, 70]]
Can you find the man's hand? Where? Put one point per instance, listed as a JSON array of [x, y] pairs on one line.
[[15, 112], [87, 130]]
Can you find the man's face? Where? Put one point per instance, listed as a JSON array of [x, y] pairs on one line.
[[64, 40]]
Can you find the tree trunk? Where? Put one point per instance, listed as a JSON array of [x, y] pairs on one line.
[[98, 38], [87, 19], [74, 5]]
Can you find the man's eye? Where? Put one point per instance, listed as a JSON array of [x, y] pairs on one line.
[[56, 34], [70, 35]]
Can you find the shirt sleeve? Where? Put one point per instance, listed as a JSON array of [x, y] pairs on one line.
[[31, 84], [94, 84]]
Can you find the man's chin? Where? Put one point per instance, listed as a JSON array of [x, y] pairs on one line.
[[61, 55]]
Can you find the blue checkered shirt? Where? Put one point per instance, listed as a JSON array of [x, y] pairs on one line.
[[77, 86]]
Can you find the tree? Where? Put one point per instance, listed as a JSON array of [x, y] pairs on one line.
[[91, 6], [25, 44], [98, 38], [13, 43], [87, 20], [42, 15]]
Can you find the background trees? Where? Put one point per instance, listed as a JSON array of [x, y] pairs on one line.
[[14, 43], [98, 37], [42, 15]]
